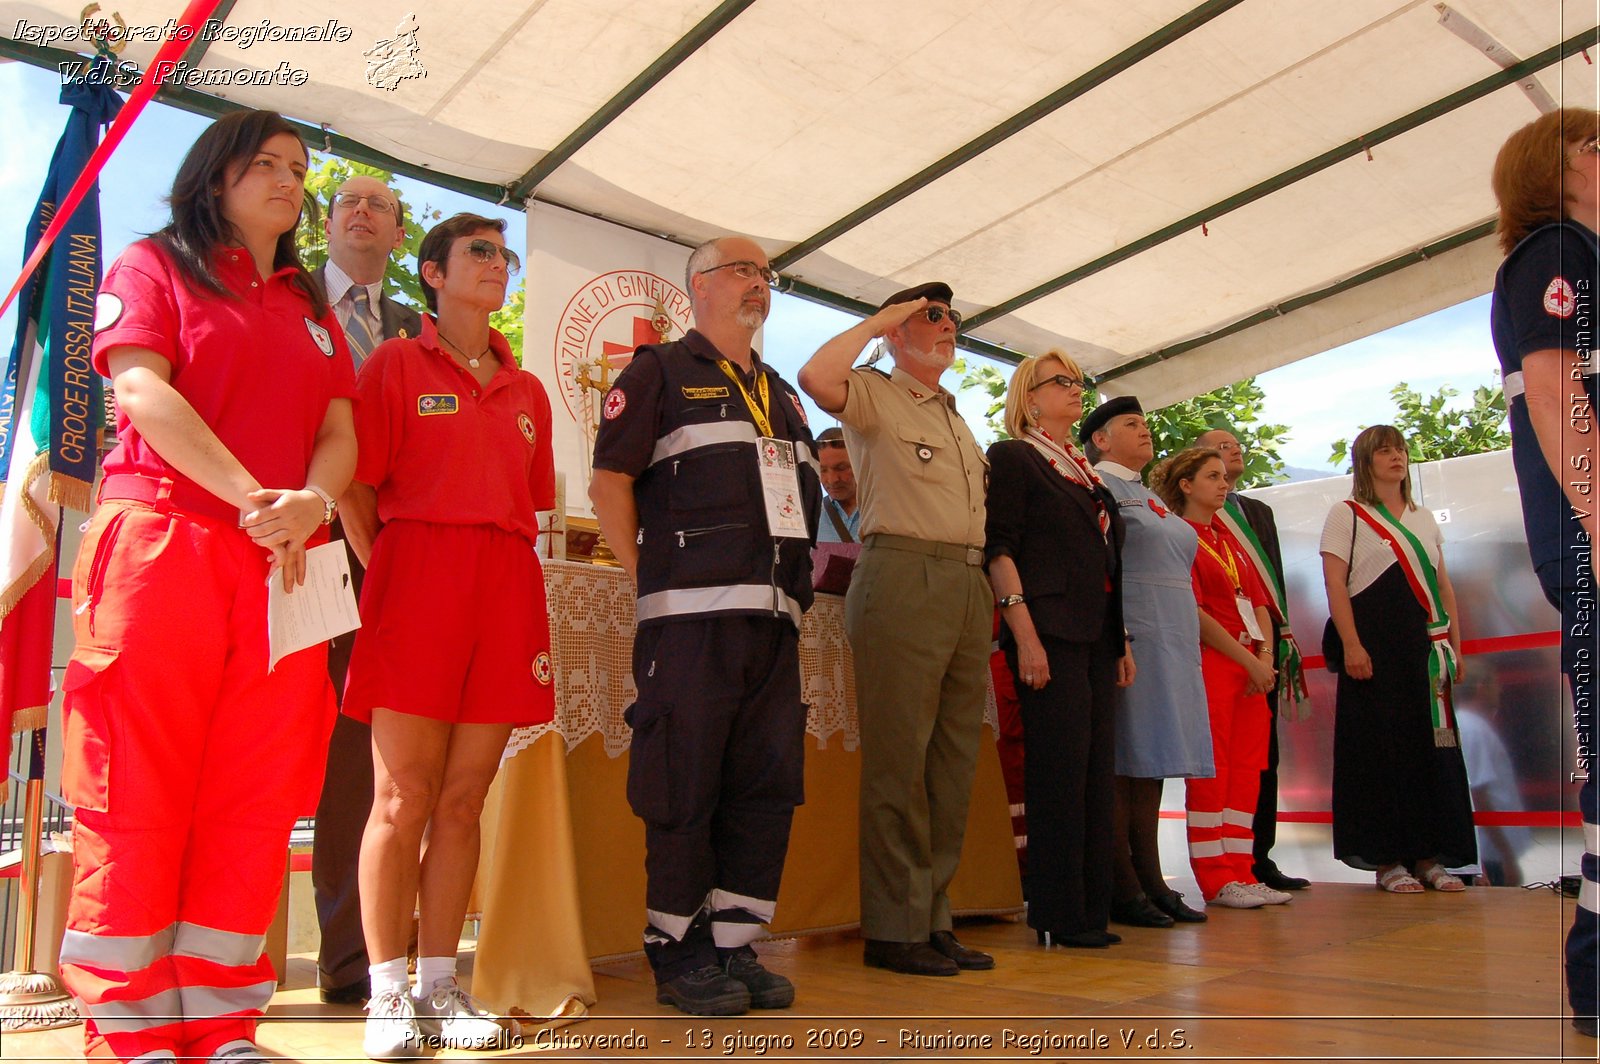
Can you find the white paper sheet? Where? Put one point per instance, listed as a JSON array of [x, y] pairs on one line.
[[321, 608]]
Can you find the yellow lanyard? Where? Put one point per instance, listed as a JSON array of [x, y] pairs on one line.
[[1229, 566], [763, 421]]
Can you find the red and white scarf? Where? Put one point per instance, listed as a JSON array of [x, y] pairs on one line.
[[1070, 463]]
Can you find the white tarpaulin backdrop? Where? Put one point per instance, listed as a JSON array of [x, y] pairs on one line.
[[1179, 192], [595, 292]]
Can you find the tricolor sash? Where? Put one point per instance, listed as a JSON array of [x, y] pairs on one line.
[[1294, 700], [1424, 580]]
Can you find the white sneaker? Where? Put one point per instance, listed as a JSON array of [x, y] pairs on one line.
[[392, 1032], [1237, 896], [1274, 897], [238, 1051], [457, 1021]]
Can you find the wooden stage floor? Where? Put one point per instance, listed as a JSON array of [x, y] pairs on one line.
[[1342, 973]]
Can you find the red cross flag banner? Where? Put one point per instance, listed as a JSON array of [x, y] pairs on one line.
[[596, 292], [50, 407]]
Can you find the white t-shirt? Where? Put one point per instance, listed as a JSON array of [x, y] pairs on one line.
[[1372, 554]]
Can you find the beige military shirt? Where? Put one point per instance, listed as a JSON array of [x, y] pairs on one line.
[[919, 471]]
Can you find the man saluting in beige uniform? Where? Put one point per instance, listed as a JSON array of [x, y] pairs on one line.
[[918, 615]]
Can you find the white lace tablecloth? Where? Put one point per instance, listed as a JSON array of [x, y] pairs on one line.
[[591, 635]]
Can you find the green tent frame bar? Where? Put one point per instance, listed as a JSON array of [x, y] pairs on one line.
[[1351, 148], [1072, 90], [516, 195], [648, 79]]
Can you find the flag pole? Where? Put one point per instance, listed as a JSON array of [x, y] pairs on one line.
[[30, 1000]]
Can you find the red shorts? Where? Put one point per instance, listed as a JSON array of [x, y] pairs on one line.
[[453, 627]]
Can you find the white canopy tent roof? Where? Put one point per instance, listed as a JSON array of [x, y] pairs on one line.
[[1179, 195]]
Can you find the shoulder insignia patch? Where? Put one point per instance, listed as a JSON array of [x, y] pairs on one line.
[[616, 402], [324, 340], [1559, 301]]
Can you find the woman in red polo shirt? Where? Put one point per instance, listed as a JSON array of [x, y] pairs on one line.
[[1236, 664], [188, 760], [454, 648]]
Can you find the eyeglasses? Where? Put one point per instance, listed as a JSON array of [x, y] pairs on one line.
[[377, 202], [746, 270], [935, 314], [486, 250], [1060, 380]]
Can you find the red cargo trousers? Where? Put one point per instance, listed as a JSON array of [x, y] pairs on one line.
[[188, 763]]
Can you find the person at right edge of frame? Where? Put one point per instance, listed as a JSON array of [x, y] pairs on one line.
[[918, 614], [1547, 182], [705, 484]]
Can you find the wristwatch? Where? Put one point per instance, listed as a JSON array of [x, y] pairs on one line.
[[330, 505], [1011, 600]]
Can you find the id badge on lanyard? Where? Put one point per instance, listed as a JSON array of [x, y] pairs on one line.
[[1247, 614], [780, 485]]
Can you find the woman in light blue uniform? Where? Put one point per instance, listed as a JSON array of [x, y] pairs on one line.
[[1162, 727]]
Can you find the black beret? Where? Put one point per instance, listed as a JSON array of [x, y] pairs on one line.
[[1097, 418], [934, 291]]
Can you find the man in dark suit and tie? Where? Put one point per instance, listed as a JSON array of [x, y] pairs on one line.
[[365, 226], [1265, 528]]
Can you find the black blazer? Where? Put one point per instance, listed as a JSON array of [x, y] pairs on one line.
[[1048, 526]]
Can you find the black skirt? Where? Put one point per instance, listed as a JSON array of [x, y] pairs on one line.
[[1397, 797]]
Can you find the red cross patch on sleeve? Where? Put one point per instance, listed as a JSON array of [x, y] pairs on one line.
[[1559, 301], [616, 400]]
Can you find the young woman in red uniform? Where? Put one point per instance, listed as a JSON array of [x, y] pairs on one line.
[[187, 759], [454, 648], [1236, 664]]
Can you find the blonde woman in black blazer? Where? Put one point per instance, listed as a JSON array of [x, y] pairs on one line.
[[1054, 543]]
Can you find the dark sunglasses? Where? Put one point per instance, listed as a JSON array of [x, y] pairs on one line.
[[935, 314], [485, 251]]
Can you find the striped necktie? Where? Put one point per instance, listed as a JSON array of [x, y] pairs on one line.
[[358, 324]]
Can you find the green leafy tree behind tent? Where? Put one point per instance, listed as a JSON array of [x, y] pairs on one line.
[[328, 172], [1434, 430], [1236, 407]]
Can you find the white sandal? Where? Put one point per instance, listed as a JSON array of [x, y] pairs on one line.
[[1439, 879], [1398, 881]]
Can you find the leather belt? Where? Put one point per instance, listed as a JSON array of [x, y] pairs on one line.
[[950, 552]]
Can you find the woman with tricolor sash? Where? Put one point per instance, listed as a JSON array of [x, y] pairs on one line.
[[1401, 805]]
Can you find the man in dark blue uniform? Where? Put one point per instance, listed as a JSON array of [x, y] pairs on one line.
[[705, 483], [1547, 181]]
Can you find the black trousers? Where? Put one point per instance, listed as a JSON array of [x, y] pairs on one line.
[[1265, 824], [1069, 735], [715, 771], [342, 812]]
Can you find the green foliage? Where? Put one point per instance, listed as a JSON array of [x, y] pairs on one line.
[[328, 172], [1236, 407], [508, 319], [984, 377], [1434, 431]]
